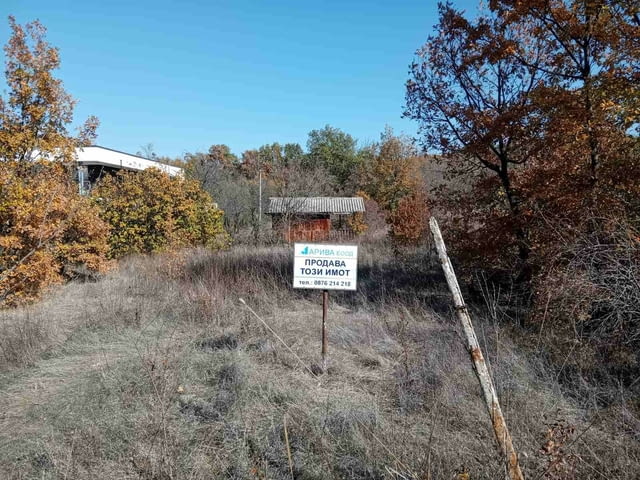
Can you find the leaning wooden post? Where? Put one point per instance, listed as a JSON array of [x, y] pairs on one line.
[[480, 367]]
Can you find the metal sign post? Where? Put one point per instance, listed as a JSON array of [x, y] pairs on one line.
[[325, 267], [325, 308]]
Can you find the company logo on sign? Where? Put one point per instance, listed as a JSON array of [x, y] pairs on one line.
[[327, 252]]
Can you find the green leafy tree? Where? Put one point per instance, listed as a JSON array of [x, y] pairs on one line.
[[335, 151], [287, 172], [150, 211]]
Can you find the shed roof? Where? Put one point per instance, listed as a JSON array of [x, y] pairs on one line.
[[338, 205]]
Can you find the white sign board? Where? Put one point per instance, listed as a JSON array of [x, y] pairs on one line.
[[326, 267]]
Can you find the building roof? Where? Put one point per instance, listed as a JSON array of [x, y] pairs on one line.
[[338, 205], [107, 157], [96, 155]]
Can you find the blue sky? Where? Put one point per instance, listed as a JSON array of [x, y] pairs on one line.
[[189, 74]]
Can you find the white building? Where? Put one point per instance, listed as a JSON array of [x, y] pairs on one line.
[[96, 161], [97, 156]]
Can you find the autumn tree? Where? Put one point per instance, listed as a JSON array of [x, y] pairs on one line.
[[583, 191], [472, 98], [409, 221], [35, 117], [262, 160], [588, 91], [207, 167], [47, 231], [540, 99], [528, 92], [391, 170], [232, 181], [588, 98]]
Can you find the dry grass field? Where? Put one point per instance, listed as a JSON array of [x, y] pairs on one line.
[[158, 371]]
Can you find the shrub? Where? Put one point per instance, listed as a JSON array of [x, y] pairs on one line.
[[357, 222], [47, 231], [587, 296], [409, 222], [150, 211]]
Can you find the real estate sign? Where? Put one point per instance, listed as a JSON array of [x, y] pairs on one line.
[[325, 267]]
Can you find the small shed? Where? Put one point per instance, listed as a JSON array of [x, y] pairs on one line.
[[309, 218]]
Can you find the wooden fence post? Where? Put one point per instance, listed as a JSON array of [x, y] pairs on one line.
[[479, 365]]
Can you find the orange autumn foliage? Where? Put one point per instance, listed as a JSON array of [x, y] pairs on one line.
[[534, 108], [47, 232], [393, 172], [357, 221], [409, 222]]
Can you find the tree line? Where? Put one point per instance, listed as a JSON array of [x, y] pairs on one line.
[[385, 173], [49, 232]]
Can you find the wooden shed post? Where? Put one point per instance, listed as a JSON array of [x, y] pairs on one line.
[[479, 365]]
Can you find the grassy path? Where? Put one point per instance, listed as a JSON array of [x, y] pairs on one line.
[[39, 384]]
